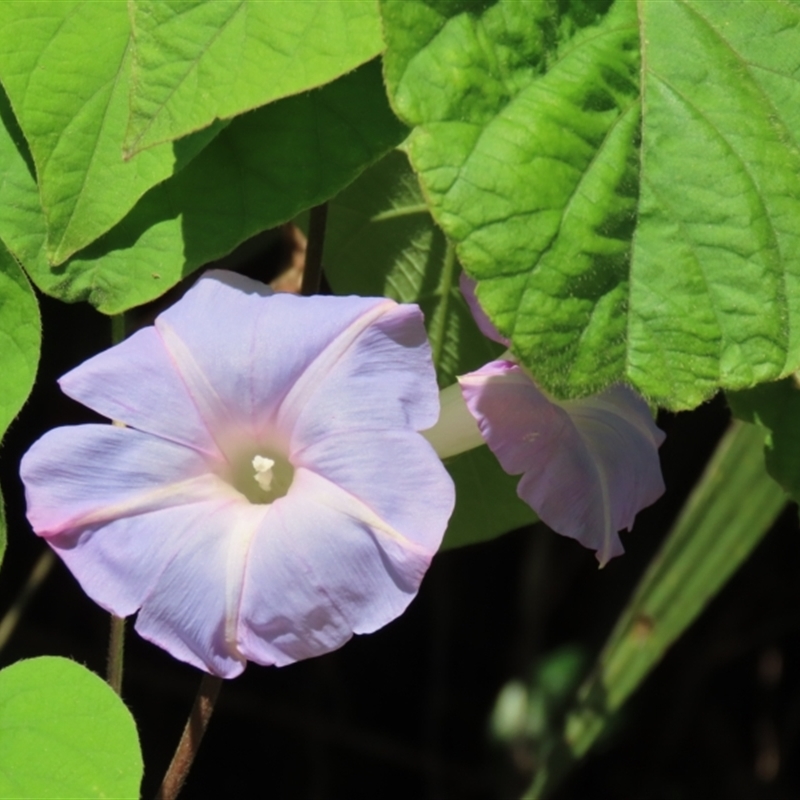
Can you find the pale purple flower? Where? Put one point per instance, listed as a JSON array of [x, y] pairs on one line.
[[271, 495], [588, 466]]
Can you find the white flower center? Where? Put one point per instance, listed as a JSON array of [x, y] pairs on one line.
[[261, 473], [263, 467]]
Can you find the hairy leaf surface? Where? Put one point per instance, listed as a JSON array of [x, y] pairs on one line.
[[622, 179]]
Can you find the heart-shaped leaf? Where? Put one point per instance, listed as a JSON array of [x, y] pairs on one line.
[[622, 179], [64, 733]]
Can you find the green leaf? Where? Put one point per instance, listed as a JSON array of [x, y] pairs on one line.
[[22, 224], [625, 184], [262, 170], [20, 338], [730, 510], [381, 241], [487, 504], [20, 324], [775, 407], [69, 88], [198, 61], [64, 734]]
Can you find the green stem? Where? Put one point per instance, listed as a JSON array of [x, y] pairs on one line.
[[730, 510], [312, 271], [192, 735], [439, 324], [117, 328]]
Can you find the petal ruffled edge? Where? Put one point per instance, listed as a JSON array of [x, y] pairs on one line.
[[322, 568], [87, 474], [378, 375], [138, 383], [239, 375], [589, 466]]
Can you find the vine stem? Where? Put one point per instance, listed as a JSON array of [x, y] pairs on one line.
[[116, 639], [312, 272], [190, 739], [117, 328], [116, 653], [41, 569]]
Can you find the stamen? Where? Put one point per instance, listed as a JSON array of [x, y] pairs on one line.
[[263, 467]]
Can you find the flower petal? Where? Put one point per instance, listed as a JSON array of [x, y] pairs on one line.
[[395, 474], [84, 474], [156, 532], [324, 566], [136, 382], [588, 466], [240, 368], [146, 519], [377, 375], [468, 288], [193, 609]]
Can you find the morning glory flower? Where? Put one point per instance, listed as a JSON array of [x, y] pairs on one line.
[[271, 495], [588, 466]]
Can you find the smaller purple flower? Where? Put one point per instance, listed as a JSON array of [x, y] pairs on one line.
[[271, 495], [588, 466]]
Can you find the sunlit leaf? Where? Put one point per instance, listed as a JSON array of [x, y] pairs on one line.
[[623, 180], [20, 346], [20, 325], [66, 68], [381, 240], [20, 338], [64, 734], [196, 61], [262, 170]]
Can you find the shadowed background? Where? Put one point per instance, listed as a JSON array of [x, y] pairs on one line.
[[404, 713]]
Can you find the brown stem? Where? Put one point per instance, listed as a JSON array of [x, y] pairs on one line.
[[116, 639], [192, 736], [312, 272], [116, 650]]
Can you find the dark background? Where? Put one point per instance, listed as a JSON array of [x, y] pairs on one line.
[[404, 713]]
